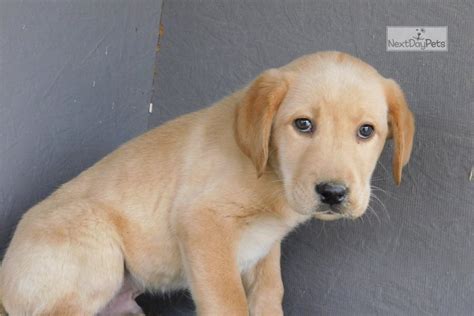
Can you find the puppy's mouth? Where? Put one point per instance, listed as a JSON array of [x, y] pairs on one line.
[[328, 213]]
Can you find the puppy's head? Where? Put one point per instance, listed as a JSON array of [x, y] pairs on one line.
[[321, 123]]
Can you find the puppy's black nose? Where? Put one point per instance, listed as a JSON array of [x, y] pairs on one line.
[[331, 193]]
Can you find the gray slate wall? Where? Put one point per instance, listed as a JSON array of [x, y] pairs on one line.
[[75, 82], [417, 255]]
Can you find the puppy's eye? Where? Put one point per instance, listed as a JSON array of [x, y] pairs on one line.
[[365, 131], [303, 125]]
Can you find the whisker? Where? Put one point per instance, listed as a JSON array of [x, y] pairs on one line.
[[368, 217], [371, 209], [383, 167], [384, 208], [376, 188]]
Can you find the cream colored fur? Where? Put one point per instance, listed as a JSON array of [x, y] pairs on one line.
[[203, 201]]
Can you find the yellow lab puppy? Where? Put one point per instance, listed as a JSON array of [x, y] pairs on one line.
[[204, 201]]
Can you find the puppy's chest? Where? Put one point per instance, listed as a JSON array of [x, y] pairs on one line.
[[257, 240]]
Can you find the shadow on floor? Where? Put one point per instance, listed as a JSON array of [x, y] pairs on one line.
[[174, 304]]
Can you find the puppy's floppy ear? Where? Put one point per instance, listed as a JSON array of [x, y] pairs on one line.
[[254, 116], [401, 127]]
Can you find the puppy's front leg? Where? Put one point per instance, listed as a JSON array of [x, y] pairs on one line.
[[264, 286], [207, 245]]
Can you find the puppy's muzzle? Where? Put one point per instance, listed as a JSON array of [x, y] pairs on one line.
[[332, 196]]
